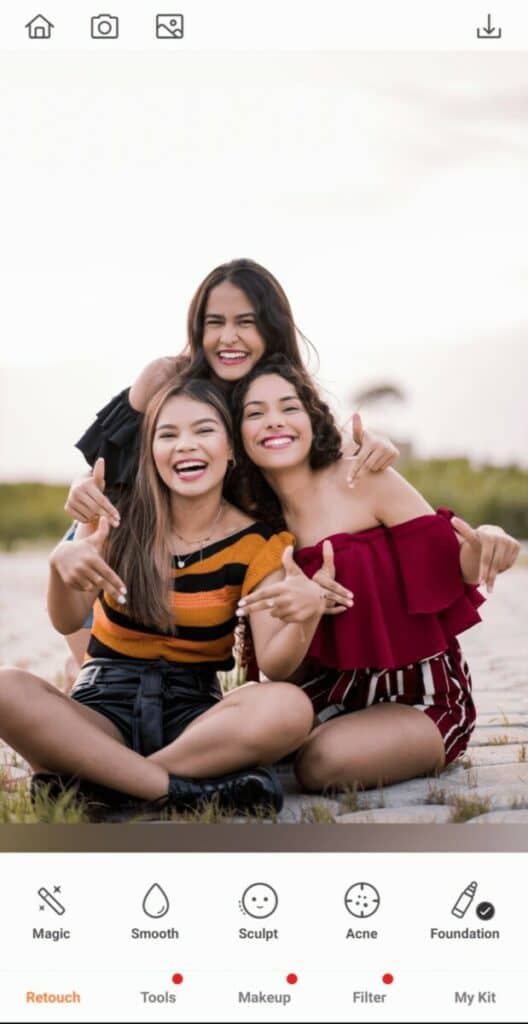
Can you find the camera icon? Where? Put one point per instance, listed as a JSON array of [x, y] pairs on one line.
[[105, 26]]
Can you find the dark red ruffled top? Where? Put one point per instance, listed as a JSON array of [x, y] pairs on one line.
[[409, 596]]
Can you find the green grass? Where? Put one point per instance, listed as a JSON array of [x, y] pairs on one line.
[[16, 808], [317, 813], [463, 808]]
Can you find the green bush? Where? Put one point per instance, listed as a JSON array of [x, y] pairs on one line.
[[479, 494], [30, 512]]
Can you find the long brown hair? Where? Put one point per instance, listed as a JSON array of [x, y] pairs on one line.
[[273, 314], [253, 492], [138, 550]]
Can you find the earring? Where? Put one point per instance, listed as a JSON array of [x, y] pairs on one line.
[[231, 463]]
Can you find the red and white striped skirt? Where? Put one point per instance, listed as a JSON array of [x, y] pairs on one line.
[[439, 686]]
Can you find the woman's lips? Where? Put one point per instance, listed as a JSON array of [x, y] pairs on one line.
[[190, 469], [277, 442], [232, 357]]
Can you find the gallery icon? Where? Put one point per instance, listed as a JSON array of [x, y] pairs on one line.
[[362, 899], [39, 27], [259, 900], [105, 26], [169, 26]]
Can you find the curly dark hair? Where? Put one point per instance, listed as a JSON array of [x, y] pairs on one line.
[[253, 493]]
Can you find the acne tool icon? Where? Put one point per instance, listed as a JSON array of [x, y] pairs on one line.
[[465, 900], [155, 902]]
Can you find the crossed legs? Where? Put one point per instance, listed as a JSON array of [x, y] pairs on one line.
[[251, 726]]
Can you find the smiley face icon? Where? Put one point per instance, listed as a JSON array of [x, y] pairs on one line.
[[362, 899], [259, 900]]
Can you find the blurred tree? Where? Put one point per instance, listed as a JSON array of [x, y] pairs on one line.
[[382, 401]]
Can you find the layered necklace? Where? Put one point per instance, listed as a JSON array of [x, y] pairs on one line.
[[181, 560]]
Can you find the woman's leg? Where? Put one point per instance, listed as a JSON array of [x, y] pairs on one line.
[[57, 734], [376, 746], [255, 724]]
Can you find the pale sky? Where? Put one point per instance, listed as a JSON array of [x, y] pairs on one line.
[[387, 192]]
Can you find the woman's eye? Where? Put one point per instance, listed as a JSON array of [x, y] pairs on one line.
[[251, 415], [164, 437], [291, 408], [206, 430]]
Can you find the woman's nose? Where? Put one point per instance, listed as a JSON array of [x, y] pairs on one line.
[[275, 418], [185, 442], [229, 334]]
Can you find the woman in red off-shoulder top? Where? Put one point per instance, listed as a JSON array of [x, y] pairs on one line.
[[386, 676]]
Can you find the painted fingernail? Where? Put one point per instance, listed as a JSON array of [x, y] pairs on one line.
[[121, 599], [240, 612], [242, 602]]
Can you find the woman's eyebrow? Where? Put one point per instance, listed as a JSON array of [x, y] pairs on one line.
[[221, 316], [195, 423]]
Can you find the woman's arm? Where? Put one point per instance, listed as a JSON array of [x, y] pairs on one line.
[[153, 377], [484, 552], [285, 611], [78, 573]]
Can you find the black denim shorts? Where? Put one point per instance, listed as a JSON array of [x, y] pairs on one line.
[[150, 702]]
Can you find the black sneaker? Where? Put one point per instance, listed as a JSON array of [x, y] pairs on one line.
[[253, 791]]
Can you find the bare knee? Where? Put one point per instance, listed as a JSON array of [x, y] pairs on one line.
[[15, 686], [281, 720], [317, 766]]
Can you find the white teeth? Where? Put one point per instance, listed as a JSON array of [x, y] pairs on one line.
[[232, 355], [186, 466], [277, 442]]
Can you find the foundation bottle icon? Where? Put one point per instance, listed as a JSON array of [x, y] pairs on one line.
[[465, 900]]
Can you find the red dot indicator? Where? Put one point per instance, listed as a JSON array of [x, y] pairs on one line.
[[292, 979], [177, 979], [387, 979]]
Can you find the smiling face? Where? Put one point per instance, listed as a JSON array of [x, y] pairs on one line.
[[276, 430], [259, 900], [231, 341], [190, 447]]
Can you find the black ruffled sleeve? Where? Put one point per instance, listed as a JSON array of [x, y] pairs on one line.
[[115, 435]]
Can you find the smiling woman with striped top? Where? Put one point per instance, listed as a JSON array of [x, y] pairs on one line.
[[146, 719]]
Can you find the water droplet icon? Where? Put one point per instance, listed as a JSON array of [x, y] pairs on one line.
[[155, 902]]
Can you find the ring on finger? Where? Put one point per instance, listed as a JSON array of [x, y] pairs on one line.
[[270, 602]]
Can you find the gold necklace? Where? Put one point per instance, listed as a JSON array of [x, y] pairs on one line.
[[181, 560]]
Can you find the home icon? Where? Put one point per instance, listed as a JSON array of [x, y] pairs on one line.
[[39, 27]]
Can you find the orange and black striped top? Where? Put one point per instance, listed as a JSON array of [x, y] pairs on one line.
[[204, 597]]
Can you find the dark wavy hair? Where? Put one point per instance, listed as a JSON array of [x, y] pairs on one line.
[[253, 493], [274, 317]]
